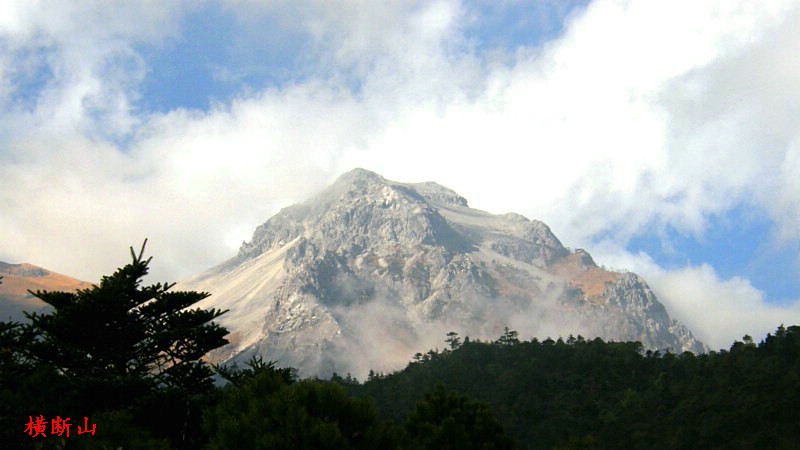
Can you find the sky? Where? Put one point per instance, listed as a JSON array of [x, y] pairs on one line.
[[661, 136]]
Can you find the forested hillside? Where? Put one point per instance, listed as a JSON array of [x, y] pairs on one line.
[[579, 393]]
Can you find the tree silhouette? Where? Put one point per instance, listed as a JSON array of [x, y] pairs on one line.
[[119, 340], [453, 340]]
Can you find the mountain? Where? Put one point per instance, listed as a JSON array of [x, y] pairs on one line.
[[18, 279], [371, 271]]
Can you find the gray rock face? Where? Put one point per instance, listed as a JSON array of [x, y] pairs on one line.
[[644, 318], [371, 271]]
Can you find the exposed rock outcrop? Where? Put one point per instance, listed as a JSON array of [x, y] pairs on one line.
[[371, 271]]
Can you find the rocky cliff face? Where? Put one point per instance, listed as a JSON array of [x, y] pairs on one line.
[[371, 271]]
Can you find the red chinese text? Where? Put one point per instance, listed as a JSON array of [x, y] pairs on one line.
[[37, 427]]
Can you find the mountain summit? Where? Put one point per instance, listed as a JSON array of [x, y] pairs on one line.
[[371, 271]]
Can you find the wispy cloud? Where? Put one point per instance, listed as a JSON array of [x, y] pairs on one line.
[[634, 117]]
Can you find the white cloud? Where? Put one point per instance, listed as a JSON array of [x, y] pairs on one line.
[[717, 310], [86, 53], [643, 114], [720, 311]]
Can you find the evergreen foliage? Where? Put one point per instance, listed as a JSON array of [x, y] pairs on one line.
[[594, 394], [124, 339], [255, 366], [265, 410], [448, 420], [25, 386], [127, 354]]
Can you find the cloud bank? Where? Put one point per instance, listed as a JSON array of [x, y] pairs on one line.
[[635, 117]]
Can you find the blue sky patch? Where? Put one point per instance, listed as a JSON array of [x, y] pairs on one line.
[[521, 24], [181, 73], [219, 55], [216, 58], [30, 77], [738, 243]]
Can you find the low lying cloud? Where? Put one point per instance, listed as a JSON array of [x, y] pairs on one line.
[[383, 335]]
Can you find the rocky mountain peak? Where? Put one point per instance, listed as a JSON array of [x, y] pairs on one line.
[[362, 210], [359, 176], [370, 271], [362, 181]]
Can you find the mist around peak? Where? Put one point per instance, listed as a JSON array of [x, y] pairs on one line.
[[370, 271]]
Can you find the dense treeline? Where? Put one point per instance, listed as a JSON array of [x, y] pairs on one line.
[[129, 358], [589, 393], [267, 408]]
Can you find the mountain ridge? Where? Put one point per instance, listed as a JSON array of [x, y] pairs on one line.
[[370, 271], [18, 279]]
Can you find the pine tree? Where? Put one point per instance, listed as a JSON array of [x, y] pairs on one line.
[[119, 340], [453, 340], [509, 337]]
